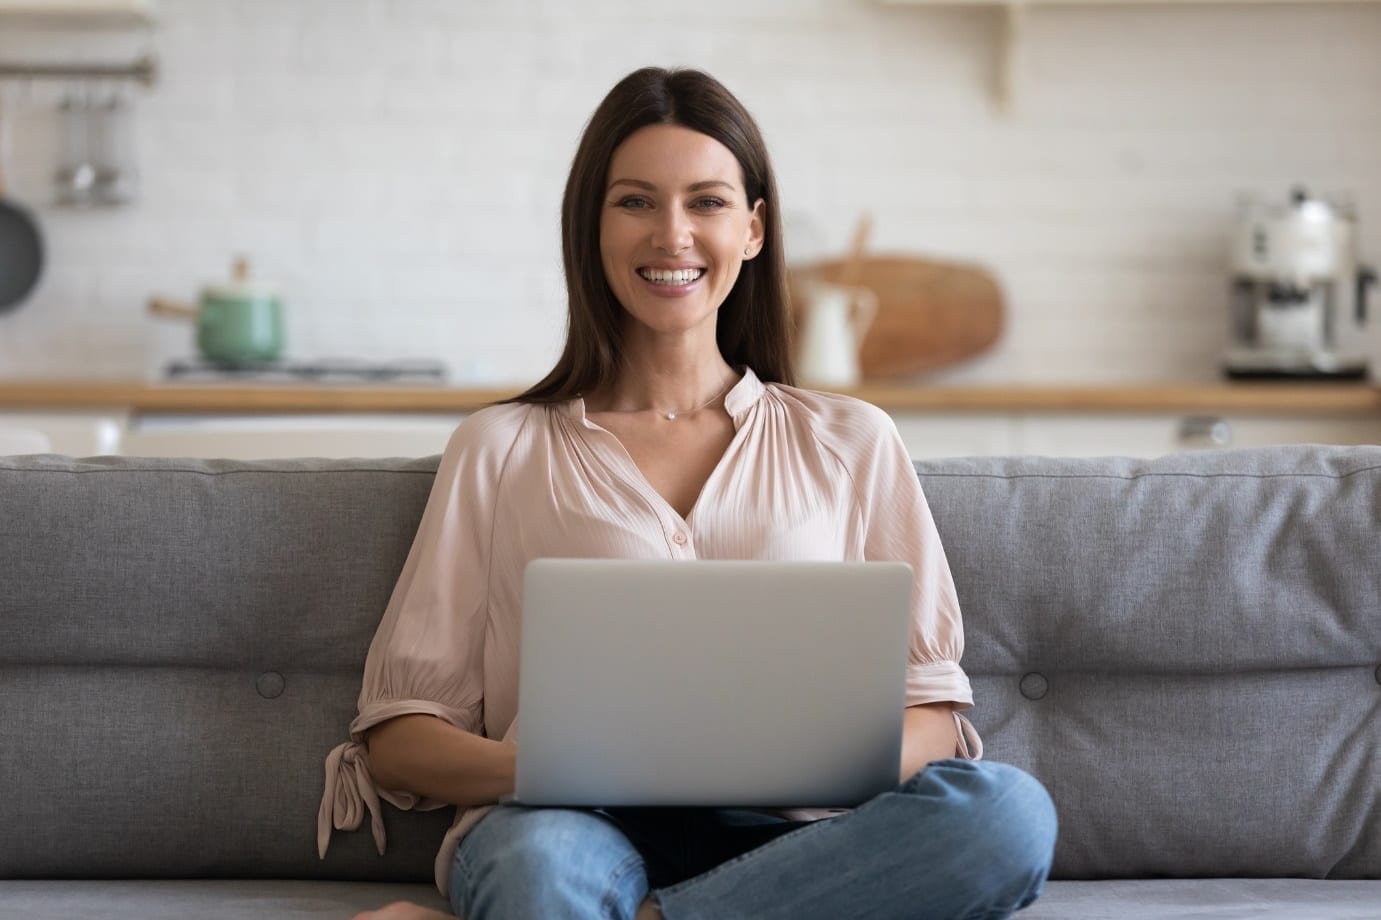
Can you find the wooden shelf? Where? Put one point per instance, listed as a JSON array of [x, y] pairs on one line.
[[1281, 399], [77, 14], [1014, 13], [1107, 2]]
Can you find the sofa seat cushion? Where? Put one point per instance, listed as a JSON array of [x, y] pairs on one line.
[[267, 899], [1209, 899], [1184, 899]]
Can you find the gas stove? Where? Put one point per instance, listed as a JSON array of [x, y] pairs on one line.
[[319, 371]]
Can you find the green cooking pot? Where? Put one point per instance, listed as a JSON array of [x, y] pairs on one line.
[[238, 323]]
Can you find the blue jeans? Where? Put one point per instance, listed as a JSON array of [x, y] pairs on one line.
[[960, 839]]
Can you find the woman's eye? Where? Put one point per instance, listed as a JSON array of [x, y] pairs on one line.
[[639, 203]]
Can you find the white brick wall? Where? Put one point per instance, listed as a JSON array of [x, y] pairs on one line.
[[398, 164]]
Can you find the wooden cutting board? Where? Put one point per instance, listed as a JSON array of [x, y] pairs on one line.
[[931, 313]]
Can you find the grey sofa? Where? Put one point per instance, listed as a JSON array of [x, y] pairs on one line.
[[1184, 650]]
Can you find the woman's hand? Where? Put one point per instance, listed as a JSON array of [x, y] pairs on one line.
[[928, 733]]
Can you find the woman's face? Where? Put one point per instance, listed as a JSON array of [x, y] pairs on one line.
[[674, 226]]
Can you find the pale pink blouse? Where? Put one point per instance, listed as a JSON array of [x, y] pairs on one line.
[[807, 476]]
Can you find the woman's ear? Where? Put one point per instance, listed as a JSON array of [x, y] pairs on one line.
[[757, 228]]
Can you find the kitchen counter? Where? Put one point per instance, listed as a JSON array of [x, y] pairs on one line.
[[1263, 398]]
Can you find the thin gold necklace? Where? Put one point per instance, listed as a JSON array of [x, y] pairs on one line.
[[671, 414]]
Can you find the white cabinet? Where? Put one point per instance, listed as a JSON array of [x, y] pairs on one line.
[[1256, 432], [926, 434], [1108, 434], [76, 434], [1156, 435], [955, 434], [261, 437], [1094, 435], [236, 437]]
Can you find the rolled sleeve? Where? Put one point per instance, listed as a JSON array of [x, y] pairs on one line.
[[899, 527], [427, 653]]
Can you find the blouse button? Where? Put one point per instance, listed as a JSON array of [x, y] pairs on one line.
[[679, 538]]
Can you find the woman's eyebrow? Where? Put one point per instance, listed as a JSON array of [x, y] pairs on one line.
[[695, 187]]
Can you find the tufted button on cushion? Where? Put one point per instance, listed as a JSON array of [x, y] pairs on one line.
[[1033, 685], [269, 684]]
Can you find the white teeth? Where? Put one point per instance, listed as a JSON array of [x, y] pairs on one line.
[[685, 276]]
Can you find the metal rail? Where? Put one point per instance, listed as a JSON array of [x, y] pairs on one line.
[[144, 70]]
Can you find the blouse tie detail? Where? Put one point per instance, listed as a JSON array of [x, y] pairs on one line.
[[349, 791]]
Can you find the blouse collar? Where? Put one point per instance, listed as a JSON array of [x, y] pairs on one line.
[[741, 398]]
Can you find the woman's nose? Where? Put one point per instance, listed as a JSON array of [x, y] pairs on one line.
[[673, 231]]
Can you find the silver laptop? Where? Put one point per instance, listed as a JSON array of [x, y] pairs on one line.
[[713, 683]]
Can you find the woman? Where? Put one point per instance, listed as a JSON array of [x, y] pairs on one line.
[[670, 429]]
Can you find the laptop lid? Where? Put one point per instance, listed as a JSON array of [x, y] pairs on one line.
[[712, 683]]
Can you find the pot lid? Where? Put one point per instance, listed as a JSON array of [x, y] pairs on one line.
[[241, 286]]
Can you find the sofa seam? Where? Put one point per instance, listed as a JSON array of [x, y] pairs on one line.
[[1206, 671], [1135, 476], [153, 469]]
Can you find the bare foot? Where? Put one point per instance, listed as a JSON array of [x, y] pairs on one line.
[[406, 910], [403, 910]]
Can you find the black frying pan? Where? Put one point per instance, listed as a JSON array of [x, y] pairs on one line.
[[21, 252]]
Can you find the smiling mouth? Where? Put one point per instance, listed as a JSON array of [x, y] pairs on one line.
[[671, 278]]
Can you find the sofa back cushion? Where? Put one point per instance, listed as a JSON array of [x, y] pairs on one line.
[[1185, 650], [181, 643]]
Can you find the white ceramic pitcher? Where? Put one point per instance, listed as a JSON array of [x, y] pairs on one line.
[[833, 324]]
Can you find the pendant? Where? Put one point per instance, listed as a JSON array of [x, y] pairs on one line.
[[671, 416]]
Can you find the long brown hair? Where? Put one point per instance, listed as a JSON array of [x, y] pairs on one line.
[[753, 326]]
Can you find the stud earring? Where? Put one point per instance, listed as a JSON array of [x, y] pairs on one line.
[[747, 250]]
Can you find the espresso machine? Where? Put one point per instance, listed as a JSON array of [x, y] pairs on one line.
[[1299, 295]]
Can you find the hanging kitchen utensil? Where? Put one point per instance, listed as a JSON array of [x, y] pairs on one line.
[[848, 273], [239, 324], [21, 245], [76, 172], [116, 177]]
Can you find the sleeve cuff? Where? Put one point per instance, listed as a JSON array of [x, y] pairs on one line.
[[938, 682], [351, 793], [372, 714]]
